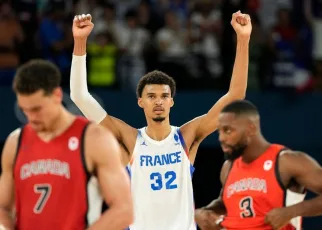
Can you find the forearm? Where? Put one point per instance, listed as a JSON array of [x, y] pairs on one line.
[[217, 206], [115, 218], [307, 208], [6, 219], [78, 85], [80, 47], [238, 83]]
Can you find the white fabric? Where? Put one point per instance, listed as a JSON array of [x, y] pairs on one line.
[[161, 183], [79, 91]]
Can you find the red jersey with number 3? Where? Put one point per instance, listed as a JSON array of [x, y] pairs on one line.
[[252, 190], [51, 182]]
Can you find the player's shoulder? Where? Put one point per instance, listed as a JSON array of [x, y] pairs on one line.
[[97, 136], [291, 157], [289, 153], [14, 135], [94, 131], [11, 145]]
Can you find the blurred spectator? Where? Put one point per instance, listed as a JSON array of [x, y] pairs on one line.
[[180, 8], [102, 61], [256, 55], [317, 77], [267, 11], [27, 14], [205, 36], [56, 39], [122, 7], [107, 22], [313, 13], [191, 40], [172, 41], [131, 40], [282, 45], [89, 7], [315, 82], [10, 41], [148, 18]]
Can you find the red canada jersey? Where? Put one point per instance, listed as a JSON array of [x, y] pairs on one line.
[[51, 180], [252, 190]]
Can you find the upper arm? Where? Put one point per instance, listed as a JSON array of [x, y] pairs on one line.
[[303, 169], [225, 171], [105, 154], [7, 164], [123, 132], [202, 126], [223, 175]]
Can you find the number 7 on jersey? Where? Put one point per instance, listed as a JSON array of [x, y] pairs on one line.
[[44, 190]]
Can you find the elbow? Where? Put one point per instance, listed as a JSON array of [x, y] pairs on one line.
[[77, 98], [73, 97], [242, 96]]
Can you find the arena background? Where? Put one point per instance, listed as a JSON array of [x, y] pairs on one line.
[[193, 42]]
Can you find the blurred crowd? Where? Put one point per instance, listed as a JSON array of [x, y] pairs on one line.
[[192, 40]]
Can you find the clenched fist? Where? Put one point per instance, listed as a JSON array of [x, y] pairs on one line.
[[242, 25], [82, 26]]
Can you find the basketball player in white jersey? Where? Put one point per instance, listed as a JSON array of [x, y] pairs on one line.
[[159, 157]]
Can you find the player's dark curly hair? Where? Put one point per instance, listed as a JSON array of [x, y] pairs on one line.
[[156, 78], [36, 75]]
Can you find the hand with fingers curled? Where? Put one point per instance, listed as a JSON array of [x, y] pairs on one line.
[[82, 26], [242, 25], [207, 219], [278, 218]]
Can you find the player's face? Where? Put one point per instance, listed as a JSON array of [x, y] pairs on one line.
[[232, 135], [41, 110], [156, 102]]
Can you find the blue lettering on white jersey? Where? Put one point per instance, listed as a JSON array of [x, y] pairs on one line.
[[161, 183]]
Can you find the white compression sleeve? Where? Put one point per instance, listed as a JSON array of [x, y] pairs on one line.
[[79, 91]]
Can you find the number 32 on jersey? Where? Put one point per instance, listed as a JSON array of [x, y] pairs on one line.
[[158, 180]]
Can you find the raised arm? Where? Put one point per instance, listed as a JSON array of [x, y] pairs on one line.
[[306, 172], [82, 27], [202, 126], [7, 181], [104, 157]]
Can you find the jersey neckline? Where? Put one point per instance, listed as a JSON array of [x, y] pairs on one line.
[[146, 136]]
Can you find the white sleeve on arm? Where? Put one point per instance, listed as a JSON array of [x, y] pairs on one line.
[[79, 91]]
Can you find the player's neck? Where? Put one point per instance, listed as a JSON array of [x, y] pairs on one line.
[[258, 146], [63, 121], [158, 130]]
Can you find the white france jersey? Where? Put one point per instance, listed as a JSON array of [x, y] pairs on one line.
[[161, 183]]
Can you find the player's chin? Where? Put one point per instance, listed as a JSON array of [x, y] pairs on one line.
[[227, 150], [37, 127], [158, 118]]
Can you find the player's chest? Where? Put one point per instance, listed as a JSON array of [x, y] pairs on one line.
[[53, 164], [159, 158], [258, 183]]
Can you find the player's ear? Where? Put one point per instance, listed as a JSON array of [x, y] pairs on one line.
[[58, 94], [140, 102], [172, 102], [252, 129]]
